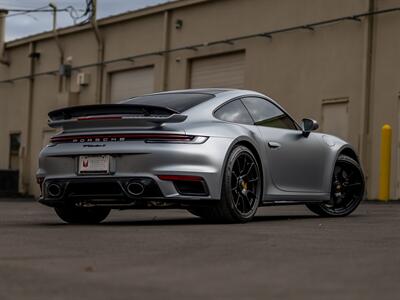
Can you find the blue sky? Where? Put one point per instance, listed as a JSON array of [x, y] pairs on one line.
[[23, 25]]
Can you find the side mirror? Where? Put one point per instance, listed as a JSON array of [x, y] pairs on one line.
[[309, 125]]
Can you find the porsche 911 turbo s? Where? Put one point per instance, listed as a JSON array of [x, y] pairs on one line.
[[218, 153]]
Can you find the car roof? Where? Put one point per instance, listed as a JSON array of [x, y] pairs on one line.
[[183, 100], [212, 91]]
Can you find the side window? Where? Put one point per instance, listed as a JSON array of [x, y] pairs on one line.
[[267, 114], [234, 112]]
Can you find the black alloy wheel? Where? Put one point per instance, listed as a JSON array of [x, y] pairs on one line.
[[244, 183], [241, 187], [241, 190], [347, 189]]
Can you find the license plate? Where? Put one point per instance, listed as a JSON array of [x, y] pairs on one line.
[[94, 164]]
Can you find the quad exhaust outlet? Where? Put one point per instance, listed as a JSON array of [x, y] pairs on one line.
[[135, 188], [54, 190]]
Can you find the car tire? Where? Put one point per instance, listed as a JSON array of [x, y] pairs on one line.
[[347, 190], [82, 215], [241, 189]]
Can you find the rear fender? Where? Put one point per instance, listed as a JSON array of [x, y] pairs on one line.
[[247, 142]]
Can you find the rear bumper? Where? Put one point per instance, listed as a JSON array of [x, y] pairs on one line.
[[114, 192], [135, 161]]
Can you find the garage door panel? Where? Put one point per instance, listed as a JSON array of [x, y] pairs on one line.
[[224, 71], [131, 83]]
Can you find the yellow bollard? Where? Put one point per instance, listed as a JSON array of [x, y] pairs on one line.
[[384, 174]]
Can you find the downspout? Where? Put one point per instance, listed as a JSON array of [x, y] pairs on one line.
[[100, 54], [3, 14], [26, 151], [367, 90], [57, 39], [165, 47]]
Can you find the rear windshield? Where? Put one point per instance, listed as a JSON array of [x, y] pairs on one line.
[[178, 102]]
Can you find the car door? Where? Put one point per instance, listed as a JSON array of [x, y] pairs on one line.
[[296, 163]]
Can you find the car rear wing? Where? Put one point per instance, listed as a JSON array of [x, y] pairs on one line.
[[113, 115]]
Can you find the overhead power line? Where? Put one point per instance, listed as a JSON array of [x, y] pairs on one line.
[[73, 12], [35, 10], [23, 11], [86, 13], [311, 26]]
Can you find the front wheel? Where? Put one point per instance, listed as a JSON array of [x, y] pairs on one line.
[[82, 215], [347, 189]]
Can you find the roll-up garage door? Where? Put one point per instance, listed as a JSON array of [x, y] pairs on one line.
[[135, 82], [223, 71]]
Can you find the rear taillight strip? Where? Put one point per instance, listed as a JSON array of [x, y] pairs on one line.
[[127, 137]]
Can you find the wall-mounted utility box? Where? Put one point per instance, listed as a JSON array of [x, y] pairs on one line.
[[83, 79], [65, 70]]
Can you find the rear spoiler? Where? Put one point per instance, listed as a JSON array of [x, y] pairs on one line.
[[113, 115]]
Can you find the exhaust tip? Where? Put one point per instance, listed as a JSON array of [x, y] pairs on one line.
[[54, 190], [135, 188]]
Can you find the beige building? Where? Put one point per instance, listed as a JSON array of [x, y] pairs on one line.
[[334, 60]]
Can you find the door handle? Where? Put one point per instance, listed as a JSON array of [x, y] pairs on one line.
[[274, 145]]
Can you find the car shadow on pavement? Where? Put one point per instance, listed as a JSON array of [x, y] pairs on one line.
[[179, 221], [186, 221]]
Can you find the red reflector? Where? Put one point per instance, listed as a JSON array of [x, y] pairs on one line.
[[180, 178]]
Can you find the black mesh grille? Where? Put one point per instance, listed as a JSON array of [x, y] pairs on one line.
[[191, 188]]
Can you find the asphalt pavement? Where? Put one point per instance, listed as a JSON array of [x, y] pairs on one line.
[[285, 253]]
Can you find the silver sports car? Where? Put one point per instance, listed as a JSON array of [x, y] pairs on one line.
[[218, 153]]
